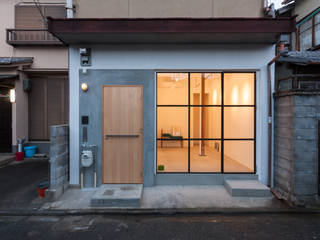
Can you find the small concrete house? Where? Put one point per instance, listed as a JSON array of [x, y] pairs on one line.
[[169, 92]]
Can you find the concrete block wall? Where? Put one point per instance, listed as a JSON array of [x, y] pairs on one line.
[[59, 161], [296, 147]]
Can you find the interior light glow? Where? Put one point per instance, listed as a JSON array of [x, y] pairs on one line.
[[245, 94], [235, 95], [12, 95], [214, 98]]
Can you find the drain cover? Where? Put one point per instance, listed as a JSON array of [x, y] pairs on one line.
[[108, 192], [127, 188]]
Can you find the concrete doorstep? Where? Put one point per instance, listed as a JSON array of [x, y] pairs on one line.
[[117, 195], [160, 198], [247, 188]]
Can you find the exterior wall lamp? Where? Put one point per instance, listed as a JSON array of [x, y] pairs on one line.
[[84, 87], [12, 95]]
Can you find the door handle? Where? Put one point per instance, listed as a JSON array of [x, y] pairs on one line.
[[121, 135]]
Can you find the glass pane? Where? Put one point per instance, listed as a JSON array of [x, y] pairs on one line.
[[317, 29], [239, 88], [172, 156], [205, 88], [172, 122], [306, 35], [238, 122], [238, 156], [172, 89], [205, 122], [205, 156]]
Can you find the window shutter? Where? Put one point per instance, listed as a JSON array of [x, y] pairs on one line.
[[37, 110], [66, 101], [48, 106], [55, 11], [28, 17], [54, 97]]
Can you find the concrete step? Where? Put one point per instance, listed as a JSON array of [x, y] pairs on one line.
[[117, 195], [246, 188]]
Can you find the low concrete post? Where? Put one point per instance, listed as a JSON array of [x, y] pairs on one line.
[[59, 161]]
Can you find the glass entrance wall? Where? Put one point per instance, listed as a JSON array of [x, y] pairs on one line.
[[206, 122]]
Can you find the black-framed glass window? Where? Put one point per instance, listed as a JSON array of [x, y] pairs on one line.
[[206, 122]]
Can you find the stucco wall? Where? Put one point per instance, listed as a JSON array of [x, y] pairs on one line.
[[305, 7], [175, 57], [44, 57], [168, 8]]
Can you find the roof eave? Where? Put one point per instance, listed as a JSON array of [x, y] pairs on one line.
[[171, 26]]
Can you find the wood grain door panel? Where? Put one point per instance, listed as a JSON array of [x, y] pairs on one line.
[[122, 134]]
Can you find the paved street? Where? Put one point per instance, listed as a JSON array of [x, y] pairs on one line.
[[18, 184], [268, 226]]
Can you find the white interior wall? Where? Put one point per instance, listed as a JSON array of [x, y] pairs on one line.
[[203, 57]]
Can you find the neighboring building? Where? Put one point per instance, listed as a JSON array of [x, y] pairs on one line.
[[308, 25], [169, 92], [297, 110], [35, 64]]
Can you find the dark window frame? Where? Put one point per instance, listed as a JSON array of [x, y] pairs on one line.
[[221, 139], [313, 26]]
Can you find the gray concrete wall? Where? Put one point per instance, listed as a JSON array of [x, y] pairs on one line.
[[90, 103], [296, 146], [59, 161], [172, 57]]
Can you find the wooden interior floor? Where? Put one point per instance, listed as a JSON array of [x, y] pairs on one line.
[[175, 159]]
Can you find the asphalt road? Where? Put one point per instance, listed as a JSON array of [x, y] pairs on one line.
[[18, 184], [256, 227]]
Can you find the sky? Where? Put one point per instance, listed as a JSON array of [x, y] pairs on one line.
[[277, 3]]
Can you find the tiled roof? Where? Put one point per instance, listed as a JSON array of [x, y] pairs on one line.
[[300, 57]]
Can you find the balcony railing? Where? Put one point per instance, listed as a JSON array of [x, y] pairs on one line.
[[31, 37], [299, 83]]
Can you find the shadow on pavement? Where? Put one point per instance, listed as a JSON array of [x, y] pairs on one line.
[[18, 184]]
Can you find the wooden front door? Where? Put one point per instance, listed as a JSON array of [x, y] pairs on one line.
[[122, 134]]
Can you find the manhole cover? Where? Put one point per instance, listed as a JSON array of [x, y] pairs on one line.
[[127, 188], [108, 192]]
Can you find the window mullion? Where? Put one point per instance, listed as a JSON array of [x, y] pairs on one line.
[[188, 122], [222, 122]]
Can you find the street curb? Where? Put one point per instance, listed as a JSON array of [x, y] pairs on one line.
[[156, 212]]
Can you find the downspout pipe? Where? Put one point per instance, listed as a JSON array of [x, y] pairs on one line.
[[270, 147], [69, 7]]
